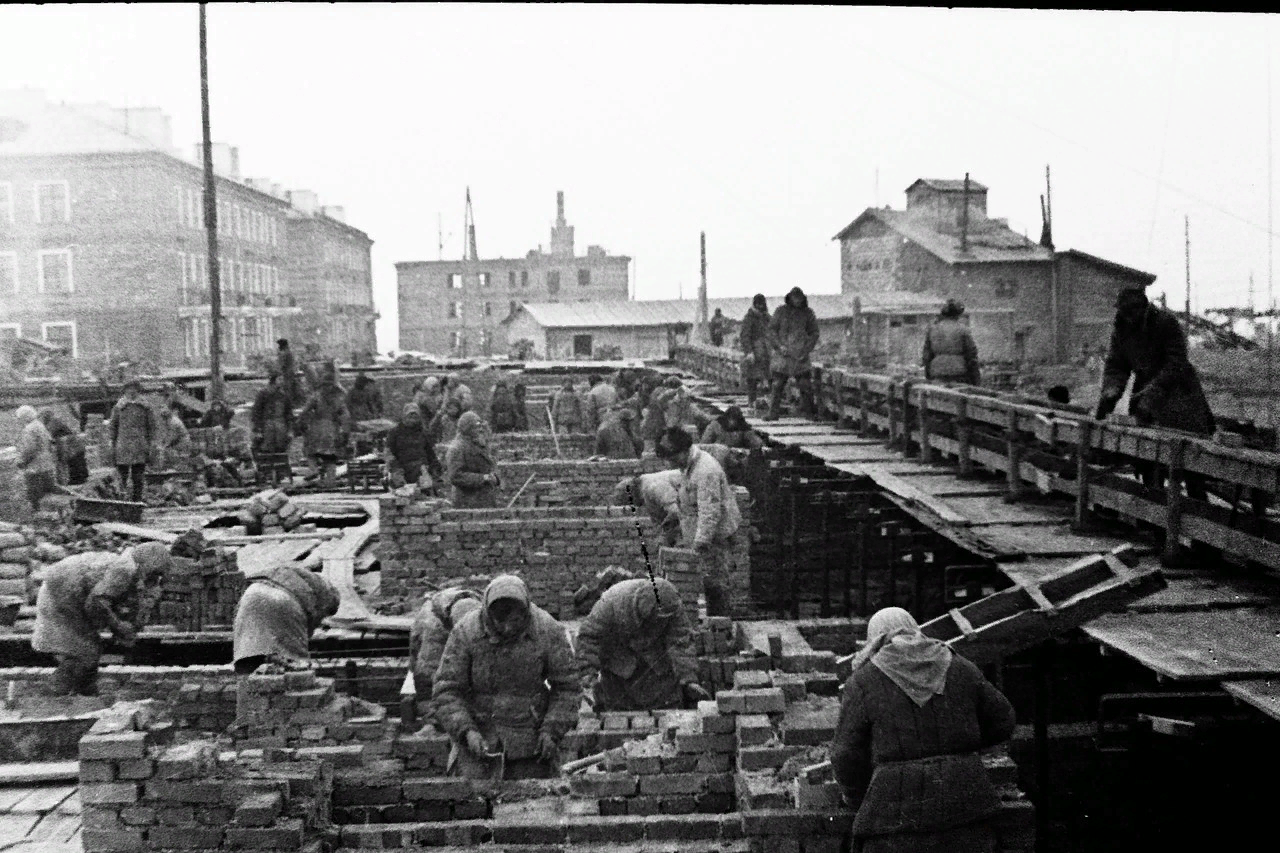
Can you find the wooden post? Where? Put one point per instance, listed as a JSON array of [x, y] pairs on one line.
[[864, 412], [1084, 518], [839, 383], [964, 435], [906, 419], [891, 405], [922, 412], [1013, 440], [1173, 502]]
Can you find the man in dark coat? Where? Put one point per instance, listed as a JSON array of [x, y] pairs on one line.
[[1149, 343], [636, 649], [753, 338], [616, 438], [716, 327], [411, 453], [949, 352], [326, 422], [793, 333], [70, 448], [365, 400], [913, 718], [469, 467], [502, 407], [507, 684], [272, 417], [133, 435], [288, 369]]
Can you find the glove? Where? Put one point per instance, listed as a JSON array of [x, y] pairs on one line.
[[694, 693], [476, 743], [547, 748]]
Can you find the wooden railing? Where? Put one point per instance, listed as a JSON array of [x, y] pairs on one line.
[[1037, 447]]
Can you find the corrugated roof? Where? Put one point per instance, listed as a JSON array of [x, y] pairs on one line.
[[990, 240], [669, 312], [947, 185]]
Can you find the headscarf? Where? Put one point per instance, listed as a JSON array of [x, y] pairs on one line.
[[732, 420], [917, 664], [758, 302], [504, 586], [26, 414], [469, 425], [151, 558], [953, 308], [315, 595], [656, 600], [409, 410]]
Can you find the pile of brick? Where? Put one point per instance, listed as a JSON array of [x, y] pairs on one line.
[[22, 554], [139, 793], [271, 511], [207, 707], [200, 593], [279, 707]]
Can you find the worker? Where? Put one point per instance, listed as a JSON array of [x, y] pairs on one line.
[[913, 717], [411, 458], [277, 615], [716, 328], [616, 438], [793, 333], [567, 409], [673, 399], [272, 416], [429, 398], [69, 447], [132, 428], [432, 623], [177, 442], [86, 593], [365, 400], [462, 393], [950, 354], [520, 395], [709, 515], [730, 429], [469, 467], [36, 457], [325, 422], [1148, 342], [218, 414], [444, 426], [502, 407], [658, 494], [507, 685], [636, 649], [754, 341], [287, 368], [601, 397], [732, 459]]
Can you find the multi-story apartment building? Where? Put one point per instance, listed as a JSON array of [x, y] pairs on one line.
[[103, 248], [457, 307]]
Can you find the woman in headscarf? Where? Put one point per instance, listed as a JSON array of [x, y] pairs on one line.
[[912, 720], [469, 466], [429, 398], [36, 456], [277, 615]]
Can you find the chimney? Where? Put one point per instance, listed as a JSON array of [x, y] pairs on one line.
[[560, 208], [304, 201], [148, 123], [226, 160]]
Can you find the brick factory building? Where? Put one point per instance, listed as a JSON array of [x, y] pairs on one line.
[[103, 249], [457, 307], [1027, 303]]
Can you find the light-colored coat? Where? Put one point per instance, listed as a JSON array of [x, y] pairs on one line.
[[68, 607], [708, 510], [35, 449]]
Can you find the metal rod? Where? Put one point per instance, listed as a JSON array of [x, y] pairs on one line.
[[210, 223]]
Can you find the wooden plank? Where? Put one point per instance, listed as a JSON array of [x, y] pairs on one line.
[[1047, 541], [1210, 645], [14, 827], [905, 490], [134, 530], [54, 828], [10, 796], [42, 799], [851, 453], [842, 439], [994, 510], [327, 533], [39, 772], [1261, 693], [1204, 592]]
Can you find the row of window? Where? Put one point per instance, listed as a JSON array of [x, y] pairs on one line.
[[255, 226], [234, 276], [50, 202], [457, 341], [455, 309], [483, 279], [239, 335], [53, 272], [346, 256], [61, 333]]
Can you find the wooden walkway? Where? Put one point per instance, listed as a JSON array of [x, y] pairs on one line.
[[38, 818], [1210, 625]]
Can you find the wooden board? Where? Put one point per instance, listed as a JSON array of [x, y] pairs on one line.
[[257, 559], [835, 438], [1209, 645], [1261, 693], [994, 510], [39, 772], [1208, 592], [904, 490], [42, 799], [1049, 540], [850, 452]]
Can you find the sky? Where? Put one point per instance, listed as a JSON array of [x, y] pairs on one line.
[[769, 128]]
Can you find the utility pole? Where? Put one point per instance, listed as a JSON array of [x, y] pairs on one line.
[[964, 217], [1186, 230], [703, 332], [210, 223]]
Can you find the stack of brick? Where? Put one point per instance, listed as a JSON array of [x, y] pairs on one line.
[[684, 768], [200, 594], [272, 512], [207, 707], [22, 555], [530, 446], [720, 655], [277, 707], [140, 794], [578, 482], [425, 544], [376, 793]]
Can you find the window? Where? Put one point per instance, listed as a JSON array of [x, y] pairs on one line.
[[182, 262], [484, 279], [524, 278], [10, 330], [488, 309], [511, 278], [455, 340], [553, 281], [193, 209], [60, 335], [53, 201], [235, 216], [455, 310], [582, 346], [511, 307], [455, 281], [1006, 287], [55, 271], [584, 278], [271, 230], [6, 202], [8, 272]]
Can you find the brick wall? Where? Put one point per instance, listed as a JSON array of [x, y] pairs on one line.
[[522, 446], [576, 481], [555, 549]]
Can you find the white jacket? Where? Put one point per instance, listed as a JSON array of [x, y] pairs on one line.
[[708, 510]]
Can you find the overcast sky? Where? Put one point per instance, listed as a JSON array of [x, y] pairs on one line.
[[768, 127]]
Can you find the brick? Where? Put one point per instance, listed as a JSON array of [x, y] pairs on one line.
[[175, 815], [765, 757], [754, 730], [615, 830], [112, 841], [795, 824], [680, 763], [710, 802], [614, 806], [214, 815], [113, 746], [770, 701], [437, 790], [603, 785], [109, 794], [682, 804], [135, 769], [773, 844], [285, 835], [184, 837], [673, 783], [714, 762], [138, 816], [259, 809], [550, 832], [188, 761], [682, 828], [198, 792], [472, 808], [644, 806], [751, 680], [97, 771]]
